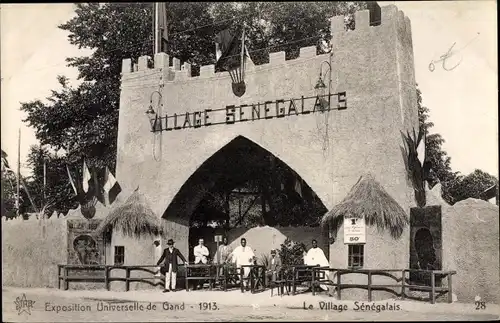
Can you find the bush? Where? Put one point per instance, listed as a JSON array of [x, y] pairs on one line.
[[292, 253]]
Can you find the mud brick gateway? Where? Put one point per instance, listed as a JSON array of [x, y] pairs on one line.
[[329, 151]]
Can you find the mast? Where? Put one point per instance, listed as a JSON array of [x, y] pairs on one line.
[[160, 31], [157, 35], [18, 171]]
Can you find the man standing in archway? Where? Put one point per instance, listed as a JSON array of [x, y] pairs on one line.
[[243, 255], [223, 253], [170, 267]]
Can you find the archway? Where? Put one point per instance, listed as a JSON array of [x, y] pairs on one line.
[[242, 186]]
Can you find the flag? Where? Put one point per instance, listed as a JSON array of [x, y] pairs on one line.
[[421, 149], [5, 163], [298, 187], [111, 187], [98, 185], [71, 181], [229, 50], [86, 177]]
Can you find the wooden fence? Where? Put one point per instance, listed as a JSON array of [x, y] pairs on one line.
[[102, 274], [318, 278]]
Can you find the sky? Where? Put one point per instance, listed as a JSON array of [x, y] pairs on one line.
[[462, 102]]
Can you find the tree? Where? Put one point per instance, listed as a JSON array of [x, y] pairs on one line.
[[83, 120], [472, 186], [57, 194], [455, 187]]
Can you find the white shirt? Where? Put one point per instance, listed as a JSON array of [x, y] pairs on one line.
[[243, 256], [200, 254], [316, 256]]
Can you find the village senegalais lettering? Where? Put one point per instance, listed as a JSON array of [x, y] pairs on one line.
[[246, 112]]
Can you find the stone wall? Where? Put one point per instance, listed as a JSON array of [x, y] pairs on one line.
[[31, 251], [471, 248], [372, 64]]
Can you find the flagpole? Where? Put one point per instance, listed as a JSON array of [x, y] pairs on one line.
[[44, 180], [18, 171], [157, 36]]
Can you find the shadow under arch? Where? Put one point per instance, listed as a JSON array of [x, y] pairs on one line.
[[239, 161]]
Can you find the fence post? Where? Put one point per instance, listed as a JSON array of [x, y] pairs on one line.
[[369, 286], [59, 276], [127, 277], [403, 282], [450, 289], [312, 282], [66, 283], [106, 277], [338, 284], [433, 288], [241, 279]]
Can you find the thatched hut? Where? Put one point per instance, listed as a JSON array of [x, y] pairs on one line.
[[368, 200], [130, 230], [134, 219], [381, 225]]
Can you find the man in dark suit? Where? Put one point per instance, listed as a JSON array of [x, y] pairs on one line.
[[274, 266], [169, 269]]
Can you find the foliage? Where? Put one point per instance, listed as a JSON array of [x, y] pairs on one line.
[[292, 253], [9, 191], [264, 260], [58, 192], [472, 186], [455, 187]]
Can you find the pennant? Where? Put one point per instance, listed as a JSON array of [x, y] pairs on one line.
[[298, 187], [421, 150], [71, 181], [98, 187], [5, 163], [111, 187], [86, 177]]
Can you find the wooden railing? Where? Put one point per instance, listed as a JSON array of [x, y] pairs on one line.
[[65, 277], [318, 278]]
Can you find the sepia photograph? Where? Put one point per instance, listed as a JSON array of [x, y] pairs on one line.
[[250, 161]]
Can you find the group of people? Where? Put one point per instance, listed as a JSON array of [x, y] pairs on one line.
[[242, 255]]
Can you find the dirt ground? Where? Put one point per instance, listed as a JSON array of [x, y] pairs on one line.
[[49, 305]]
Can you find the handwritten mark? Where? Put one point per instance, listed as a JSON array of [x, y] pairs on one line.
[[447, 55]]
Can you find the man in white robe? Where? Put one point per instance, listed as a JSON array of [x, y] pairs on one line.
[[241, 256], [200, 252], [314, 257]]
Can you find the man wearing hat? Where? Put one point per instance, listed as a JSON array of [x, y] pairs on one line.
[[274, 266], [169, 269]]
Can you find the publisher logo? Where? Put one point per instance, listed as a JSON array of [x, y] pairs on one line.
[[23, 305]]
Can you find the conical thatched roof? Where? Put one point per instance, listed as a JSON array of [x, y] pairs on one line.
[[134, 218], [369, 199]]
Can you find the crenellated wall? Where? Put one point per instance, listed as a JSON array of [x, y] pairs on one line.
[[372, 64]]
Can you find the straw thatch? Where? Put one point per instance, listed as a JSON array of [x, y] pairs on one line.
[[369, 199], [134, 218]]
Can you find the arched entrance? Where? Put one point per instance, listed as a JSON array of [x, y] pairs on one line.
[[243, 186]]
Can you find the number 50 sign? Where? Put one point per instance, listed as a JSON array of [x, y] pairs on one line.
[[354, 230]]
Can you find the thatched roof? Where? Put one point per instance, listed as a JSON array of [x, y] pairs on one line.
[[134, 218], [369, 199]]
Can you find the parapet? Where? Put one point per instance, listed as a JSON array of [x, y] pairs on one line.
[[391, 20]]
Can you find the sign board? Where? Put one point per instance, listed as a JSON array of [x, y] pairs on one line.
[[218, 238], [354, 230], [248, 112]]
